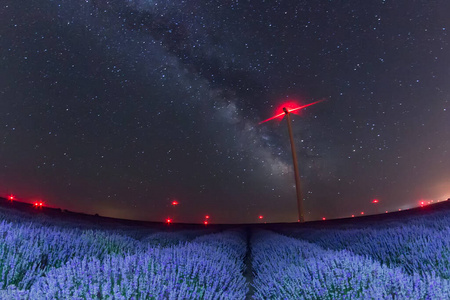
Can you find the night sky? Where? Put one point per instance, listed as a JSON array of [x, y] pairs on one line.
[[120, 107]]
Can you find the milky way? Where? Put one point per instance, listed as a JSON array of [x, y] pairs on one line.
[[120, 107]]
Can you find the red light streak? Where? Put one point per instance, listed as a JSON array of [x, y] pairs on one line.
[[290, 110]]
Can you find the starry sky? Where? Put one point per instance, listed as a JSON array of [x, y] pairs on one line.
[[121, 107]]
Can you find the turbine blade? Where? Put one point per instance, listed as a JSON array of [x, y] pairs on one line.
[[274, 117]]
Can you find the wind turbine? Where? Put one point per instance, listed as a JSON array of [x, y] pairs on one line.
[[287, 111]]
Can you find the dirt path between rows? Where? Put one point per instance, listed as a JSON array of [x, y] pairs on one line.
[[248, 272]]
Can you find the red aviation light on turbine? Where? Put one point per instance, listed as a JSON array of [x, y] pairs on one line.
[[291, 107], [175, 202], [323, 219], [205, 222], [11, 197], [38, 204], [207, 217], [261, 217], [375, 201]]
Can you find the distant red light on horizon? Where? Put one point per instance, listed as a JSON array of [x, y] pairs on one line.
[[375, 201], [206, 222], [168, 221], [175, 202], [261, 217], [353, 216], [323, 218], [362, 212], [206, 217]]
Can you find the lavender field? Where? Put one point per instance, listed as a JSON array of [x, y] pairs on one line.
[[401, 257]]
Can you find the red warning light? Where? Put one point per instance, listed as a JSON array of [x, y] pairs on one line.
[[353, 216], [362, 212], [206, 222], [40, 203], [175, 202], [375, 201], [261, 217], [168, 221], [386, 211], [323, 218], [11, 197], [292, 107], [206, 217]]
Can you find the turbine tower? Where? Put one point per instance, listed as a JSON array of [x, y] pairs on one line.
[[298, 188]]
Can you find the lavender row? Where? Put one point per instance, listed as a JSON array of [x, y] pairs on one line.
[[287, 268], [169, 238], [28, 251], [414, 248], [209, 268]]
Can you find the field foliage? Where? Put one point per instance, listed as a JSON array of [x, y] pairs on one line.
[[406, 257]]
